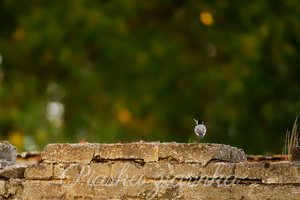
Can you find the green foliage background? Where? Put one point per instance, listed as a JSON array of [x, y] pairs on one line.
[[142, 70]]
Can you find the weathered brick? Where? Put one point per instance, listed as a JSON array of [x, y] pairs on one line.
[[252, 191], [163, 170], [200, 153], [71, 171], [36, 189], [69, 153], [82, 173], [13, 187], [133, 151], [211, 170], [5, 163], [251, 170], [62, 190], [162, 189], [126, 170], [282, 172], [13, 171], [268, 172], [39, 171], [131, 170], [159, 170]]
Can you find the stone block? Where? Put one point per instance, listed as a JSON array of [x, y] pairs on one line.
[[282, 172], [145, 152], [141, 190], [8, 152], [13, 171], [5, 163], [40, 171], [164, 170], [82, 173], [71, 171], [200, 153], [158, 170], [62, 190], [269, 172], [68, 153], [13, 188], [126, 170], [134, 171], [247, 192], [212, 170], [36, 189], [251, 170], [162, 189], [159, 190]]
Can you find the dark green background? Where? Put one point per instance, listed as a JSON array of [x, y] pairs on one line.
[[156, 62]]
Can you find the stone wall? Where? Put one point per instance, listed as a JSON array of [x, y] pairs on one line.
[[149, 171]]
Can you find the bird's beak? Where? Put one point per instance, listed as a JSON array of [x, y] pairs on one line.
[[196, 121]]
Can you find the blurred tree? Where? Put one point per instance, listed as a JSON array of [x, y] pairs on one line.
[[109, 71]]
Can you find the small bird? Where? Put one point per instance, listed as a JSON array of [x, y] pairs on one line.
[[200, 129]]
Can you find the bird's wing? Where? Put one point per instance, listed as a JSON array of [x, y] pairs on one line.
[[196, 130]]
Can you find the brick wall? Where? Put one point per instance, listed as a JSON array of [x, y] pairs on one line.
[[149, 171]]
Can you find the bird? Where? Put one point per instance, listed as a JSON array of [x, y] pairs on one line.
[[200, 129]]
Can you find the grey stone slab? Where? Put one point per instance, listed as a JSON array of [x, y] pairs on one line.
[[200, 153], [13, 171], [8, 152]]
